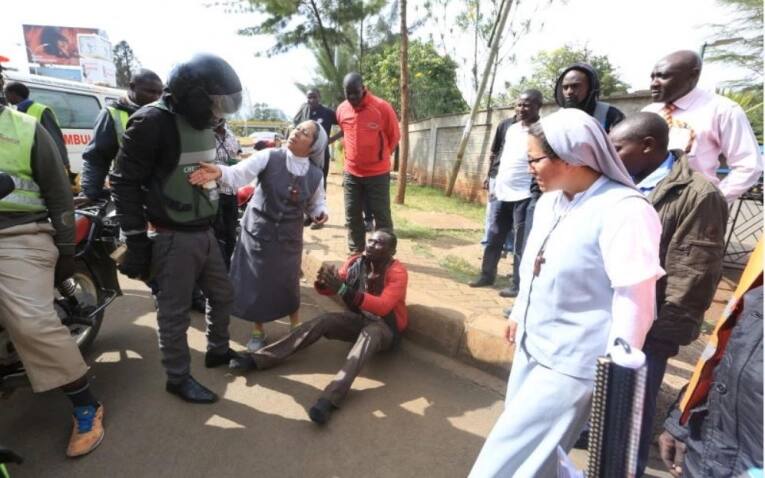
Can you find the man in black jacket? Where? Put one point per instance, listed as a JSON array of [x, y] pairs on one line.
[[715, 431], [579, 87], [145, 87], [163, 144]]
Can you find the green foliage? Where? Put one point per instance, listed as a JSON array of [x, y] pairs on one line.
[[750, 100], [125, 62], [432, 79], [264, 112], [296, 23], [740, 42], [459, 269], [329, 73], [548, 65], [426, 198]]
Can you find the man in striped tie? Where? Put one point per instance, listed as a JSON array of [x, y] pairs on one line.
[[705, 125]]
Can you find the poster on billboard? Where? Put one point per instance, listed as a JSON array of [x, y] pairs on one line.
[[94, 46], [52, 45], [98, 72]]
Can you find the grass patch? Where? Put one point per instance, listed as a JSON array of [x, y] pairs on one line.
[[423, 250], [460, 269], [426, 198], [408, 230]]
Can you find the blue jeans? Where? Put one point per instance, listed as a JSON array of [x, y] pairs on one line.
[[507, 220], [488, 222]]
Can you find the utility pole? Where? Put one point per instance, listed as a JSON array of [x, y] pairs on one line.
[[499, 28], [404, 144]]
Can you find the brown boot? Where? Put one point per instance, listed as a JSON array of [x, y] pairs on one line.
[[88, 431]]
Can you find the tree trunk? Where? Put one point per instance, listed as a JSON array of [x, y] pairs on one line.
[[499, 27], [404, 144]]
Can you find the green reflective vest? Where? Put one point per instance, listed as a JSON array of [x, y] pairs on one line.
[[120, 119], [183, 202], [36, 111], [17, 136]]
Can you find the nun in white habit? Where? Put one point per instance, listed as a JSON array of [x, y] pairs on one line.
[[588, 276]]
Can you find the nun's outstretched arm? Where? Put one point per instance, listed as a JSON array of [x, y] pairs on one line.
[[245, 171]]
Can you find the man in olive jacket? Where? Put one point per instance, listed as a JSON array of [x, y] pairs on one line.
[[693, 216]]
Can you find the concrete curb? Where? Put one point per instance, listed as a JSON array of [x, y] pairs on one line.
[[477, 341]]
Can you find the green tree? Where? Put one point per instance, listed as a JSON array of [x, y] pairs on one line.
[[432, 80], [750, 99], [329, 73], [323, 23], [740, 42], [125, 62], [548, 65], [265, 112]]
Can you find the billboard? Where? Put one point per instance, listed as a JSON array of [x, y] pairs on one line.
[[70, 52], [51, 45]]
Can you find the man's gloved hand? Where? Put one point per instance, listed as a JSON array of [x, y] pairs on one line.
[[137, 261], [64, 268]]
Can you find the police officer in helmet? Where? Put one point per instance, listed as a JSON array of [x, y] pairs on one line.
[[162, 145]]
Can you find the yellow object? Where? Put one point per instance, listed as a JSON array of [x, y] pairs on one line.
[[698, 387]]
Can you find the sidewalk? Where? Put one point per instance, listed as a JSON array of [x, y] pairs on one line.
[[444, 313], [441, 250]]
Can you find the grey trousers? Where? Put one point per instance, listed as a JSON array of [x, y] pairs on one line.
[[180, 260], [375, 190], [370, 334]]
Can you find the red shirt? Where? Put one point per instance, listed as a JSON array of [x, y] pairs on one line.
[[370, 133], [392, 297]]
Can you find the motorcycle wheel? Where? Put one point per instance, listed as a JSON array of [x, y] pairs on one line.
[[88, 293]]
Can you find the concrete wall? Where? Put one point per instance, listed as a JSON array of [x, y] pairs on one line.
[[433, 145]]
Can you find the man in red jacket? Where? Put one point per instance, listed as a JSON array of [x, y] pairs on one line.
[[373, 287], [371, 133]]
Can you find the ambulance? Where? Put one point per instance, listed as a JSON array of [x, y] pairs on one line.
[[75, 104]]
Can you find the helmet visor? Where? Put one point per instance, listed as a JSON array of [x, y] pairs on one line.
[[226, 105]]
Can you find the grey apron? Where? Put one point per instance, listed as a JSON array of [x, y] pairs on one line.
[[265, 267]]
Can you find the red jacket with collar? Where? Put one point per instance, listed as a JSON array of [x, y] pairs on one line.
[[392, 297], [370, 133]]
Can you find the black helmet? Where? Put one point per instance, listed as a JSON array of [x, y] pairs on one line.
[[204, 89]]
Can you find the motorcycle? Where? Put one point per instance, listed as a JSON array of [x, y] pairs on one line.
[[81, 300]]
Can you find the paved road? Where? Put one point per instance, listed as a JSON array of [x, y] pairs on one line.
[[411, 414]]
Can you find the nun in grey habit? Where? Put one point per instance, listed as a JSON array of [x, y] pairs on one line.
[[265, 266]]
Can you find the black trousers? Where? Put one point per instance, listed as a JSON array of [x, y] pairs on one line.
[[376, 190], [225, 226]]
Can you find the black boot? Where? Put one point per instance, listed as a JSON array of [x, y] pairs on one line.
[[482, 281], [216, 359], [321, 411], [191, 391]]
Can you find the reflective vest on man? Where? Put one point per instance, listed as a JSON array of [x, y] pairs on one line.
[[17, 136], [183, 202], [120, 118], [36, 111]]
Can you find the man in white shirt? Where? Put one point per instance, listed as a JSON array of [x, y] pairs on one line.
[[705, 125], [512, 188]]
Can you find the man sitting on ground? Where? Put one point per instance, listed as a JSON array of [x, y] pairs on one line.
[[693, 215], [373, 287]]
